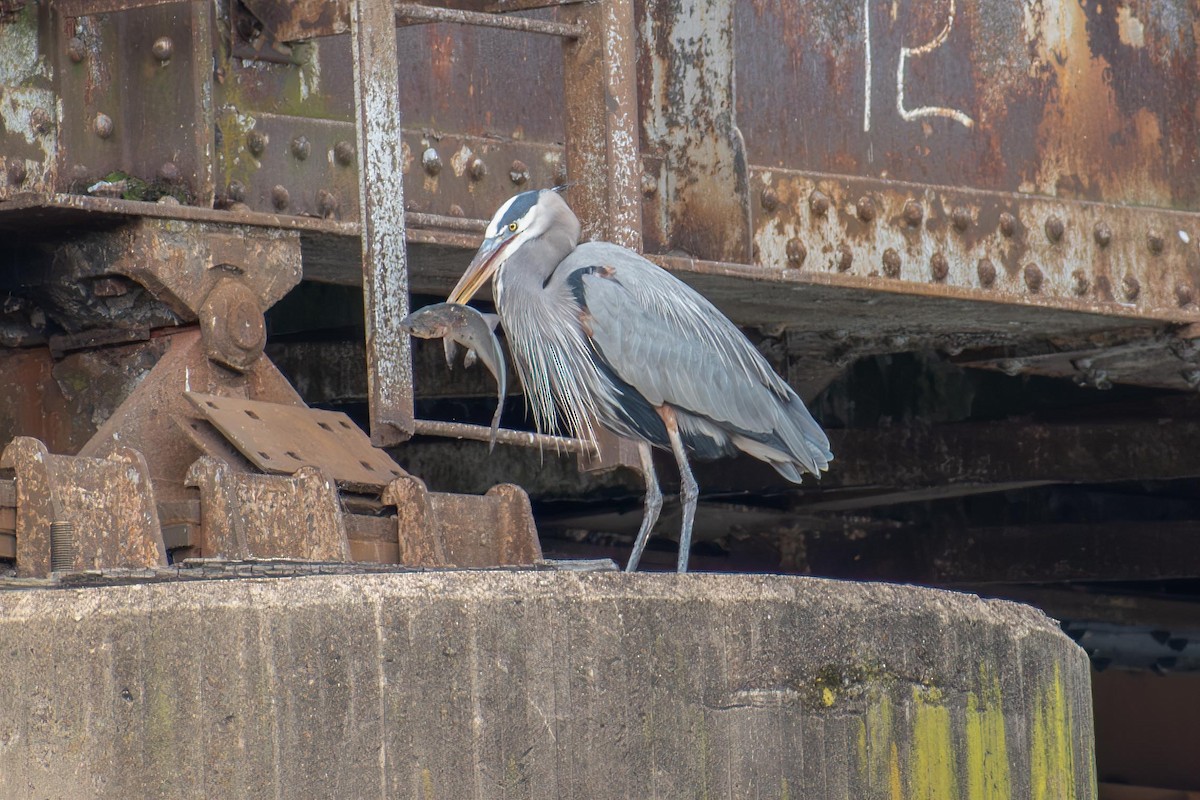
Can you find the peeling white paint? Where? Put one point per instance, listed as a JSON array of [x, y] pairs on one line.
[[927, 111], [1130, 29]]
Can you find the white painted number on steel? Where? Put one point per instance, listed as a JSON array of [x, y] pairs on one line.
[[909, 114]]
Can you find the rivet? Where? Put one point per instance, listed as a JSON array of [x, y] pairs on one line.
[[1102, 234], [1131, 287], [431, 161], [1155, 242], [163, 48], [649, 185], [518, 173], [327, 203], [818, 203], [960, 217], [256, 142], [1054, 229], [1033, 277], [865, 208], [280, 197], [986, 271], [1184, 294], [301, 148], [891, 263], [913, 213], [75, 49], [236, 191], [343, 153], [1080, 283], [939, 267], [103, 125], [169, 171], [845, 257], [796, 252], [39, 118], [1008, 224], [17, 172], [456, 210], [477, 169], [769, 200]]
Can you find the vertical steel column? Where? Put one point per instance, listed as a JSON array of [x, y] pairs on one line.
[[602, 122], [381, 200]]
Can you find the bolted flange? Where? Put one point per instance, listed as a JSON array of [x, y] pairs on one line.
[[232, 325]]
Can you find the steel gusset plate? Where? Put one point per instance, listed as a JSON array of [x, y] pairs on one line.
[[927, 240], [281, 439]]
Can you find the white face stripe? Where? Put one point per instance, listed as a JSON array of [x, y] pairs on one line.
[[493, 227]]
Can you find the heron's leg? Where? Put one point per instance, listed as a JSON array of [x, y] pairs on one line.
[[688, 490], [653, 505]]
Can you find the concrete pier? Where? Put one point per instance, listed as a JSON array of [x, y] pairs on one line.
[[536, 685]]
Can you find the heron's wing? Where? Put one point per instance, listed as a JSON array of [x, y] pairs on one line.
[[667, 341]]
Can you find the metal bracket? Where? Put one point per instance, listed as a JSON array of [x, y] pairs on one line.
[[268, 516], [463, 530], [110, 503]]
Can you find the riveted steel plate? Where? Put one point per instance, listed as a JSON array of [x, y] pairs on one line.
[[281, 439], [903, 237]]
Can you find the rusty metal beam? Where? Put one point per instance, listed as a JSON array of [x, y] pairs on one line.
[[381, 198], [481, 433], [599, 71], [406, 12]]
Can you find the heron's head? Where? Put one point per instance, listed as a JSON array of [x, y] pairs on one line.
[[523, 218]]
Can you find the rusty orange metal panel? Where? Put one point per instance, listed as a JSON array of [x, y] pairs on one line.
[[1077, 100]]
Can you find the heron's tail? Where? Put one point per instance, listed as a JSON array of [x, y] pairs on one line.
[[794, 445]]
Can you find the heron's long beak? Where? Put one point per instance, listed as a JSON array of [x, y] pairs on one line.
[[482, 267]]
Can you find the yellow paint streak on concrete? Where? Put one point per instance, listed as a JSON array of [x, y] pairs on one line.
[[827, 696], [933, 770], [1052, 760], [987, 748], [877, 754]]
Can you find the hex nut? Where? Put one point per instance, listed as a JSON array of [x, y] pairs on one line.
[[163, 48], [232, 326], [891, 263]]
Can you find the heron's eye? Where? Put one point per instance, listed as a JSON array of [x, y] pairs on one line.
[[512, 226]]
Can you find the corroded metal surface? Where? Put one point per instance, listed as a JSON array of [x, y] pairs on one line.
[[1099, 257], [109, 501], [381, 200], [1078, 100], [282, 439], [269, 516]]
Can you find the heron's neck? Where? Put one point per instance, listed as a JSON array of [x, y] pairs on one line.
[[528, 269]]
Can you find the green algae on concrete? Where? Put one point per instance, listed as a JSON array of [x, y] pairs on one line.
[[987, 769]]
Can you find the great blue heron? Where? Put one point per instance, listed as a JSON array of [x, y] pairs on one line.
[[601, 335]]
